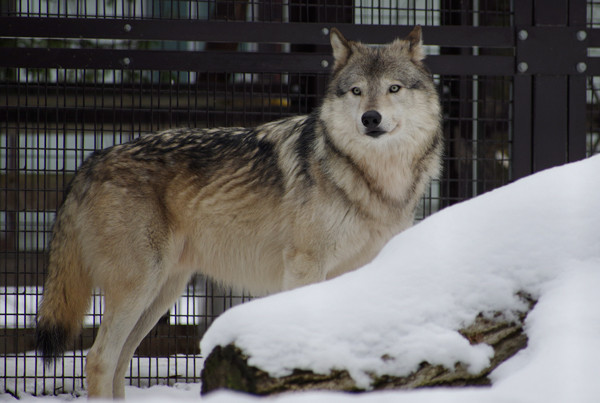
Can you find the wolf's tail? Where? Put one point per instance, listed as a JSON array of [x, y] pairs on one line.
[[67, 290]]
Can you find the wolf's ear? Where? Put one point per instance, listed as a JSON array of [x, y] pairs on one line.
[[341, 48], [415, 43]]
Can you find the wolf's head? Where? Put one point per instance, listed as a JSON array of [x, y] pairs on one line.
[[380, 93]]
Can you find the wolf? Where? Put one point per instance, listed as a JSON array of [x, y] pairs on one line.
[[265, 209]]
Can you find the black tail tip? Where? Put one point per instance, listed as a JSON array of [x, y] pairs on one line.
[[51, 341]]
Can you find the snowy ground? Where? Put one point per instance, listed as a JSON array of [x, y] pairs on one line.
[[540, 235]]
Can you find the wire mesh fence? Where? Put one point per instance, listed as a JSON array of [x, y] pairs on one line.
[[53, 117], [384, 12]]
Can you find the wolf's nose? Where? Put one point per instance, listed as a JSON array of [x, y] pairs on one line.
[[371, 119]]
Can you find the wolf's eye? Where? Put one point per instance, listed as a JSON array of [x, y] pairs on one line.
[[394, 88], [356, 91]]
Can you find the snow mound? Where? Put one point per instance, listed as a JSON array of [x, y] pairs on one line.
[[540, 235]]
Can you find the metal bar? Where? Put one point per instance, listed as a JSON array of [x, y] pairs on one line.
[[551, 12], [521, 151], [163, 341], [239, 31], [449, 36], [576, 147], [522, 127], [550, 92], [162, 60], [248, 62], [523, 13], [550, 126], [578, 13], [577, 118]]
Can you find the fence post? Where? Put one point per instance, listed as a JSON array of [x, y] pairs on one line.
[[549, 84], [577, 86]]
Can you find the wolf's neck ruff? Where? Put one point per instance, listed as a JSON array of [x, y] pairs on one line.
[[361, 175]]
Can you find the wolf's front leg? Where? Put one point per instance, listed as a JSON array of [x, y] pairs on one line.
[[301, 268]]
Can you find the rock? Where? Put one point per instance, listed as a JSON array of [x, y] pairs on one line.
[[227, 367]]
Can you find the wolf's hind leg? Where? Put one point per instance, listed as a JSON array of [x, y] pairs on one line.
[[125, 302], [168, 294]]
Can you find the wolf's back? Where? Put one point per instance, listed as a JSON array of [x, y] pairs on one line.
[[67, 289]]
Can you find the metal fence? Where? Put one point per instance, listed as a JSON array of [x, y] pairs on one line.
[[520, 88]]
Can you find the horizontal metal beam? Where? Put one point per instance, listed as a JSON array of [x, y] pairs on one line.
[[241, 31], [165, 340], [446, 36], [469, 65], [247, 62], [227, 62]]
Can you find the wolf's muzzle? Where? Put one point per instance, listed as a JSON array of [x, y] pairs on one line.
[[371, 120]]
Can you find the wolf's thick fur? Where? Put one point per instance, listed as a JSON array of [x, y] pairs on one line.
[[271, 208]]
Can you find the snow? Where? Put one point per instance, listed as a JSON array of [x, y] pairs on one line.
[[540, 235]]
